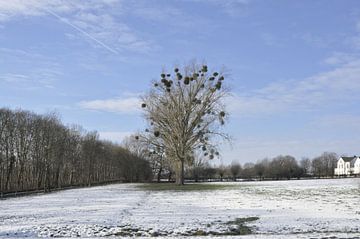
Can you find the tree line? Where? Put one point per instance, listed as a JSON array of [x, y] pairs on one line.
[[38, 152], [280, 167]]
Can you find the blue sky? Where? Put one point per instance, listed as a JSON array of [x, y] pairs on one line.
[[294, 66]]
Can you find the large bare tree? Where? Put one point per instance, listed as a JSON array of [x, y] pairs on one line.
[[185, 110]]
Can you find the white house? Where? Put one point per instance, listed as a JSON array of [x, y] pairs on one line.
[[348, 166]]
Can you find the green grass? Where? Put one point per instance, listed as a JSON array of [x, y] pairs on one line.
[[233, 228], [236, 227], [186, 187], [242, 220], [241, 228]]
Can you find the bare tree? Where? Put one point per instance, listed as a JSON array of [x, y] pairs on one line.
[[186, 111], [260, 168], [324, 164], [235, 169], [305, 165], [221, 170], [248, 170], [39, 152], [151, 148]]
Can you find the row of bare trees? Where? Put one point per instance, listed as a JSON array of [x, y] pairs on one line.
[[280, 167], [200, 169], [39, 152]]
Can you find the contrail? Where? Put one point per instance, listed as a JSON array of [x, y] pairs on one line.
[[82, 31]]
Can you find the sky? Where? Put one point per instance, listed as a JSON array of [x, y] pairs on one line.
[[293, 66]]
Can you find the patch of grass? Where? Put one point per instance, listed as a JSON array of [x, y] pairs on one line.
[[200, 233], [231, 228], [242, 220], [235, 228], [186, 187], [238, 227]]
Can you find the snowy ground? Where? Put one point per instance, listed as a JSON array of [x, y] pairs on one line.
[[286, 209]]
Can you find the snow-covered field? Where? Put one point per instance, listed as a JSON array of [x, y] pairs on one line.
[[286, 209]]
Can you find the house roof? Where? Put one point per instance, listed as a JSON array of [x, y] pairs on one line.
[[350, 159]]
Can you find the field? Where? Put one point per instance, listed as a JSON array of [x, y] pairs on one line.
[[281, 209]]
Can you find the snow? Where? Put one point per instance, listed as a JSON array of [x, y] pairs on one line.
[[286, 209]]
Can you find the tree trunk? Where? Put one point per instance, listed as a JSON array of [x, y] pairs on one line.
[[71, 177], [182, 172], [170, 175], [20, 176], [179, 172], [9, 172], [57, 178], [159, 174]]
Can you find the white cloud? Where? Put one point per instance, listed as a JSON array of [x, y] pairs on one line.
[[14, 78], [36, 79], [333, 87], [180, 18], [154, 13], [353, 40], [91, 20], [314, 40], [37, 70], [270, 39], [340, 58], [341, 122], [337, 86], [108, 29], [128, 105], [232, 8], [14, 8], [114, 136]]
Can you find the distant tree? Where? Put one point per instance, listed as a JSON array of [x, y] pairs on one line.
[[248, 171], [305, 165], [324, 164], [197, 169], [284, 167], [330, 162], [290, 168], [318, 167], [261, 167], [221, 170], [235, 169], [209, 171], [185, 110]]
